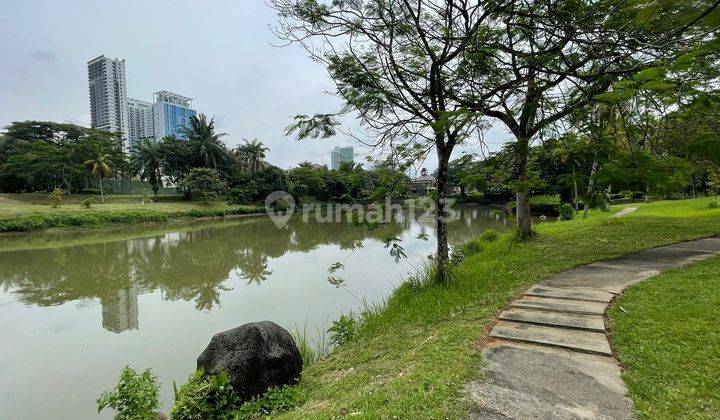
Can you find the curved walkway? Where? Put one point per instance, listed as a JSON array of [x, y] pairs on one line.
[[548, 355]]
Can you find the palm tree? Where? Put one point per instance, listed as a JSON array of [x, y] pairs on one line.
[[205, 143], [146, 159], [254, 152], [100, 168]]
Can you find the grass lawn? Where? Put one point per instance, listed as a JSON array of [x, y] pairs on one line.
[[412, 358], [22, 212], [667, 337]]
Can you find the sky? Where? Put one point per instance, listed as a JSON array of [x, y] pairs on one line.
[[222, 53]]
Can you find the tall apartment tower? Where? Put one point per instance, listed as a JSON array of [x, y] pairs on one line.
[[108, 95], [141, 120], [341, 154], [172, 112]]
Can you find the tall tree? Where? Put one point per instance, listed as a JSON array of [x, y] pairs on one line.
[[533, 62], [204, 141], [100, 167], [393, 63], [252, 153]]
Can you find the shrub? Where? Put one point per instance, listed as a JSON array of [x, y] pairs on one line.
[[57, 197], [205, 397], [87, 203], [566, 211], [203, 184], [343, 330], [134, 397], [462, 251], [489, 235], [243, 195], [34, 222]]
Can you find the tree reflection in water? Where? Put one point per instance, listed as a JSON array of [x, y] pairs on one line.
[[193, 264]]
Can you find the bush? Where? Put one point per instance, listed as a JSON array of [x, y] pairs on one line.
[[489, 235], [87, 203], [343, 330], [134, 397], [203, 184], [243, 195], [57, 197], [34, 222], [462, 251], [205, 397], [566, 211]]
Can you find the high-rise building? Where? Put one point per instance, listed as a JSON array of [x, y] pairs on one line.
[[172, 112], [341, 154], [141, 120], [108, 95]]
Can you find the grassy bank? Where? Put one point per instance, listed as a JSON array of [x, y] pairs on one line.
[[30, 212], [412, 358], [665, 332]]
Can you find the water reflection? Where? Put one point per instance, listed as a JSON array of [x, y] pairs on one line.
[[191, 265]]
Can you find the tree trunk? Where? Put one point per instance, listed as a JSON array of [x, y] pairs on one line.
[[462, 191], [102, 196], [522, 207], [441, 214], [591, 187], [575, 188]]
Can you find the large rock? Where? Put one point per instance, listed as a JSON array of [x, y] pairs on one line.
[[256, 356]]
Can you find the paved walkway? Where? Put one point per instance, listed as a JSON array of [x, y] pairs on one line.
[[625, 211], [548, 355]]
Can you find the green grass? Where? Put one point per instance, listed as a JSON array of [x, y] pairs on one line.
[[667, 337], [412, 357], [32, 212]]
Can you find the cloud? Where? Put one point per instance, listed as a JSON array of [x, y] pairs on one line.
[[39, 55]]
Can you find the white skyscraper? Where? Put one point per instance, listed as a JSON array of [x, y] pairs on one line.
[[108, 95], [141, 120]]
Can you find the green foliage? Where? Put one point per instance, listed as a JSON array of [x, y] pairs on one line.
[[135, 397], [566, 211], [489, 235], [33, 222], [343, 329], [203, 184], [56, 196], [87, 203], [273, 402], [460, 252], [205, 397]]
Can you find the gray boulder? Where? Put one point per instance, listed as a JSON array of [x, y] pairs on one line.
[[256, 356]]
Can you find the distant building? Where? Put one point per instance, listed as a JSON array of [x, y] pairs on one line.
[[341, 154], [141, 120], [108, 95], [423, 185], [171, 113]]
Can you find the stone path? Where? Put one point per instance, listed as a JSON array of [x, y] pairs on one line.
[[625, 211], [548, 355]]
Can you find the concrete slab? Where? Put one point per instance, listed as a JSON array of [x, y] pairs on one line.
[[625, 211], [601, 276], [574, 293], [561, 305], [530, 382], [582, 341], [660, 259], [555, 319]]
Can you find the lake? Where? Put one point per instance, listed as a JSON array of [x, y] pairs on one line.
[[76, 307]]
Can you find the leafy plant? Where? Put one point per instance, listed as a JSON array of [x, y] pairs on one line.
[[135, 397], [462, 251], [343, 329], [57, 197], [87, 203], [205, 397], [489, 235], [566, 211]]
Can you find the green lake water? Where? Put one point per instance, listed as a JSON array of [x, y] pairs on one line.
[[75, 307]]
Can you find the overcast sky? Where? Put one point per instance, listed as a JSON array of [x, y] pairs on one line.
[[217, 52]]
